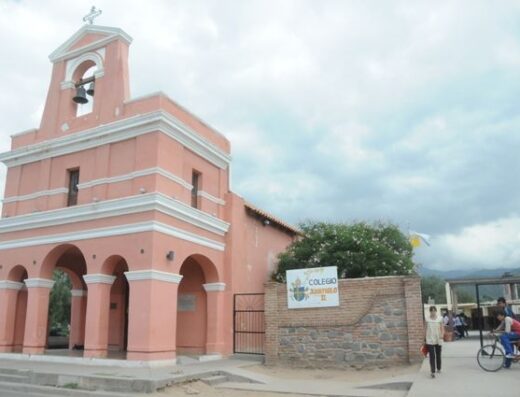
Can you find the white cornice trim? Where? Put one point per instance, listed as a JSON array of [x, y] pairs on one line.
[[78, 292], [212, 287], [188, 236], [38, 283], [41, 193], [66, 85], [151, 226], [112, 34], [99, 278], [209, 197], [8, 284], [116, 207], [151, 274], [136, 174], [118, 131]]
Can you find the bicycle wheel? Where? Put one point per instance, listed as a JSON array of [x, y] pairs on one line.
[[491, 358]]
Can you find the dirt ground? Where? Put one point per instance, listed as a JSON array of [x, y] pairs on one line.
[[202, 390], [348, 375], [352, 376]]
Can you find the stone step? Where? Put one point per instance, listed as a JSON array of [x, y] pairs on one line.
[[13, 378], [214, 380], [10, 371], [186, 360], [37, 390]]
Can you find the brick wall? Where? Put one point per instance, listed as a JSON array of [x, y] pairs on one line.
[[379, 322]]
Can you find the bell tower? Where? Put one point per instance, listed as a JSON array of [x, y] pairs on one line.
[[89, 81]]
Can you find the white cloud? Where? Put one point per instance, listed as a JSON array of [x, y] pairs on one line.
[[337, 110], [489, 245]]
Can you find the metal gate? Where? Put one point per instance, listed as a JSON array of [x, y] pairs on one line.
[[248, 323]]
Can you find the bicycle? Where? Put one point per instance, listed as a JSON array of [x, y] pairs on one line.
[[491, 357]]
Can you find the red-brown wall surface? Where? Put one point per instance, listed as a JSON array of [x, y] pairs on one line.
[[379, 322]]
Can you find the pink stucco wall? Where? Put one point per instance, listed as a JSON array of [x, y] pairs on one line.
[[221, 244]]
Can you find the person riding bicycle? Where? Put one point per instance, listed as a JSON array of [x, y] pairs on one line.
[[502, 304], [511, 333]]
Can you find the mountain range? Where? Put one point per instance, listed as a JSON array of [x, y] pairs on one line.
[[468, 273]]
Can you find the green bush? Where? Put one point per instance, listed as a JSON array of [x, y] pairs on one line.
[[358, 250]]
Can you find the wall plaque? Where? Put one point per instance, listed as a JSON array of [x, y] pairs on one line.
[[186, 302]]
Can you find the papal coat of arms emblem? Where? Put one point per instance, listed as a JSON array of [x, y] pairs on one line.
[[299, 292]]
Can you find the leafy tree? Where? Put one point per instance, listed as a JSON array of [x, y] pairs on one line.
[[59, 306], [465, 296], [358, 250], [433, 287]]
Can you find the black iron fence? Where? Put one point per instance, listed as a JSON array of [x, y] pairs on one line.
[[248, 323]]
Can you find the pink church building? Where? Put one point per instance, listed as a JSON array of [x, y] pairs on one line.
[[131, 198]]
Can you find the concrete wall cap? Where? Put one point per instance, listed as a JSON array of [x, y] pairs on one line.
[[210, 287], [99, 279], [151, 274], [38, 283], [8, 284]]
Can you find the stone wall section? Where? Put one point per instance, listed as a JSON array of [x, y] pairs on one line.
[[379, 322]]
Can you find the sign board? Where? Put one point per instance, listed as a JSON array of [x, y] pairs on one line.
[[314, 287], [186, 302]]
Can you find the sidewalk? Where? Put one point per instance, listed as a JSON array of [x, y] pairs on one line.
[[461, 375], [226, 377], [116, 379]]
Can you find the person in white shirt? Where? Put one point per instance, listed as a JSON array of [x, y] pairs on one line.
[[457, 323], [434, 338]]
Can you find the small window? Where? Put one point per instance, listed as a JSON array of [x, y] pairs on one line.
[[73, 187], [195, 182]]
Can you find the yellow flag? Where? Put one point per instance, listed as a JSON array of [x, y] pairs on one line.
[[415, 240]]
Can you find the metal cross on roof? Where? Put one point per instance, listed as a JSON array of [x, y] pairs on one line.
[[93, 14]]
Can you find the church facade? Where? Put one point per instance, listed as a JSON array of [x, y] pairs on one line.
[[130, 197]]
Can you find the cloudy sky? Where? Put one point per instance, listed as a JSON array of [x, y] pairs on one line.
[[405, 111]]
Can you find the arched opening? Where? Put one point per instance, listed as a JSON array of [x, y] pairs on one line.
[[119, 297], [83, 72], [19, 274], [59, 311], [68, 298], [192, 310]]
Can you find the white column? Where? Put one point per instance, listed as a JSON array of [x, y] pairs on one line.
[[448, 297]]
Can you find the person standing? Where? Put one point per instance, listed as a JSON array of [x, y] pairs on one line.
[[434, 338]]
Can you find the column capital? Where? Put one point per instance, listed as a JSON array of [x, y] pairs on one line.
[[151, 274], [99, 279], [38, 283], [211, 287], [8, 284], [78, 292]]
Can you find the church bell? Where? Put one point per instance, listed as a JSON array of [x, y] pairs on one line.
[[81, 95], [90, 89]]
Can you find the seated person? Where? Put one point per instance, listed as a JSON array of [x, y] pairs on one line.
[[457, 323], [511, 332]]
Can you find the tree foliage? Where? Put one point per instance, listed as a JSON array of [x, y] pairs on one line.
[[358, 250], [433, 287], [464, 295], [59, 306]]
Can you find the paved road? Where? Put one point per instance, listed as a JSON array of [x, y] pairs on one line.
[[18, 394], [462, 377]]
